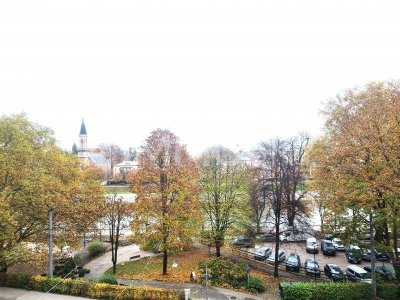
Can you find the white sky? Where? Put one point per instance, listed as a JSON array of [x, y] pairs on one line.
[[214, 72]]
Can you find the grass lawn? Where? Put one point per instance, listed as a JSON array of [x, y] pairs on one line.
[[150, 268]]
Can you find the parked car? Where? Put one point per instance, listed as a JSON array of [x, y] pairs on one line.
[[353, 254], [311, 245], [383, 256], [293, 262], [334, 273], [281, 257], [294, 236], [311, 267], [357, 274], [328, 248], [262, 253], [379, 256], [384, 271], [242, 242], [270, 237], [337, 243]]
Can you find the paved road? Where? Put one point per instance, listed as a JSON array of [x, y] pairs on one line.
[[101, 264], [19, 294], [198, 291]]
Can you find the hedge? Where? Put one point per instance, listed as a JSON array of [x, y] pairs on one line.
[[338, 291], [79, 287], [328, 290]]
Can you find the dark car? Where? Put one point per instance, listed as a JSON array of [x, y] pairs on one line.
[[242, 242], [262, 253], [383, 256], [328, 248], [293, 262], [311, 267], [270, 237], [380, 256], [385, 272], [334, 273], [353, 254]]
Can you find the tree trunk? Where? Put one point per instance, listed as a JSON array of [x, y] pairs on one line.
[[218, 247], [276, 273], [165, 262]]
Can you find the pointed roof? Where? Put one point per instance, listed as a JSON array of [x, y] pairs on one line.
[[83, 128]]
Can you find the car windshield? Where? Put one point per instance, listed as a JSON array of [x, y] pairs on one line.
[[312, 265], [261, 250], [336, 270], [292, 259], [312, 243]]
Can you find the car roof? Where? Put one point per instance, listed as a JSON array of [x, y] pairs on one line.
[[356, 269]]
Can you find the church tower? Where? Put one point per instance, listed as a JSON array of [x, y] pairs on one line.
[[83, 152]]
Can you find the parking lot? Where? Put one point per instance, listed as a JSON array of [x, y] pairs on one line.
[[299, 248]]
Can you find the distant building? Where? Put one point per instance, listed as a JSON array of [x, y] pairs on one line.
[[122, 169], [88, 157]]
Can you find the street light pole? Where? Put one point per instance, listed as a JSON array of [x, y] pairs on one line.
[[206, 282], [51, 243], [315, 273]]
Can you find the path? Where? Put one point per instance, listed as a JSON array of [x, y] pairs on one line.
[[100, 265]]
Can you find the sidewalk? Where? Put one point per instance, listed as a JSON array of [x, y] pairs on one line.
[[100, 265], [20, 294]]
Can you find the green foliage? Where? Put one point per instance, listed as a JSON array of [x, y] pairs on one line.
[[35, 176], [107, 278], [96, 248], [79, 287], [224, 271], [326, 290], [82, 272], [389, 291], [256, 285]]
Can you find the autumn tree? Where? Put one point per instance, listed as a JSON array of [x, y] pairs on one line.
[[166, 210], [357, 159], [113, 153], [258, 199], [116, 217], [282, 175], [224, 195], [36, 176]]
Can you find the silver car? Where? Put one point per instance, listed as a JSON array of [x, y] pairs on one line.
[[262, 253], [281, 257]]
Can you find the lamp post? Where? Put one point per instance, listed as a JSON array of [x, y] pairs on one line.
[[315, 265], [51, 243]]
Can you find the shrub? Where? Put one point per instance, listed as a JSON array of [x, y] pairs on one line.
[[79, 287], [95, 248], [389, 291], [256, 285], [326, 290], [224, 271], [82, 272], [107, 278]]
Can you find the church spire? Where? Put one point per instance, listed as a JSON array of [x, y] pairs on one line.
[[83, 127]]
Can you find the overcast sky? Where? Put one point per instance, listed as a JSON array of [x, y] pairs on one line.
[[213, 72]]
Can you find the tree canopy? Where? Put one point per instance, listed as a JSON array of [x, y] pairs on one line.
[[166, 211], [37, 176]]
